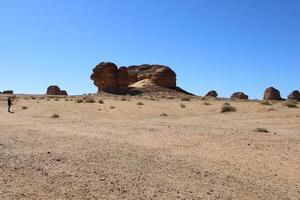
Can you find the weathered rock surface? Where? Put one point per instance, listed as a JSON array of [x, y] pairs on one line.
[[295, 95], [272, 94], [212, 93], [239, 95], [108, 78], [55, 90], [8, 92]]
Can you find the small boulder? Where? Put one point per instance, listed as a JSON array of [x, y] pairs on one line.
[[239, 95], [212, 93], [295, 95], [272, 93], [64, 92]]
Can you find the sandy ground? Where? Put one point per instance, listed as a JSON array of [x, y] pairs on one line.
[[93, 151]]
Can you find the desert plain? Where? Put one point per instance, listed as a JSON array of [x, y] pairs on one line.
[[148, 148]]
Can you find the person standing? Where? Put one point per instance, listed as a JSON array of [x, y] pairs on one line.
[[9, 104]]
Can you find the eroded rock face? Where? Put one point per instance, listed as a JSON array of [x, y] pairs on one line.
[[239, 95], [295, 95], [272, 94], [108, 78], [55, 90], [158, 74], [212, 93]]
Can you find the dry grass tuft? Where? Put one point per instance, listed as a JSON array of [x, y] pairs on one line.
[[163, 115], [261, 130], [185, 99], [24, 107], [290, 104], [54, 115], [90, 100], [79, 100], [139, 103], [206, 103], [101, 101], [182, 105], [265, 103], [227, 108]]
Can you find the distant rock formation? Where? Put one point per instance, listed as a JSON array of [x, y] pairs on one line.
[[8, 92], [212, 93], [272, 94], [295, 95], [108, 78], [55, 90], [239, 95]]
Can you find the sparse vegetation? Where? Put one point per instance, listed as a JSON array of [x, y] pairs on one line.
[[33, 98], [24, 107], [227, 108], [139, 103], [206, 103], [90, 100], [57, 99], [79, 100], [261, 130], [101, 101], [290, 104], [266, 103], [54, 115], [170, 97], [123, 99], [163, 115], [182, 105], [185, 99], [112, 107]]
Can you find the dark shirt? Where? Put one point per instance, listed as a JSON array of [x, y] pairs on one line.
[[9, 102]]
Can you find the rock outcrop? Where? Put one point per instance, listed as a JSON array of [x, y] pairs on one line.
[[55, 90], [295, 95], [108, 78], [212, 93], [272, 94], [8, 92], [239, 95]]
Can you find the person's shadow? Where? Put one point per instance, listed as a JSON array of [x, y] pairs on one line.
[[11, 112]]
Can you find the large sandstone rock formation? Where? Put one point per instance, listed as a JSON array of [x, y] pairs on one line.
[[8, 92], [108, 78], [295, 95], [272, 94], [212, 93], [55, 90], [239, 95]]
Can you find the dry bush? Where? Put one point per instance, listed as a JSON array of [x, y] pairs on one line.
[[79, 100], [101, 101], [182, 105], [265, 103], [290, 104], [206, 103], [163, 115], [90, 100], [56, 99], [48, 99], [24, 107], [139, 103], [66, 99], [123, 99], [227, 108], [261, 130], [33, 98], [170, 97], [54, 115], [112, 107], [185, 99]]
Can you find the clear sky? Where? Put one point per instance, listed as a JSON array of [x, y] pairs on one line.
[[226, 45]]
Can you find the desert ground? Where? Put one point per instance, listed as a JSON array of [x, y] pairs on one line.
[[148, 148]]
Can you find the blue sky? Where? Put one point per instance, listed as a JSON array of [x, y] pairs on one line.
[[226, 45]]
